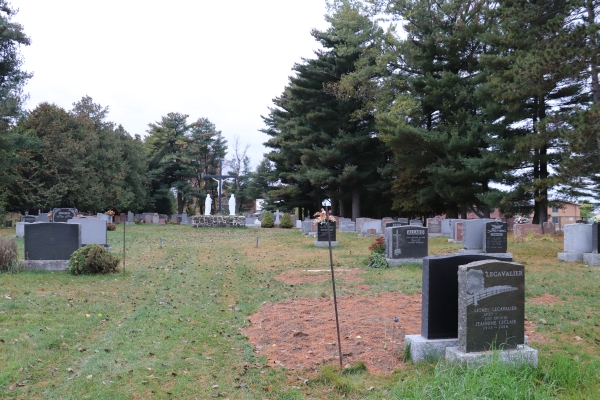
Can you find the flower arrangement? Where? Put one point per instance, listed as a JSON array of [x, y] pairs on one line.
[[519, 219], [321, 217], [596, 219], [378, 246], [111, 213]]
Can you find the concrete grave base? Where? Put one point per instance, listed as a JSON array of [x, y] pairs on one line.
[[591, 258], [471, 251], [514, 357], [421, 349], [395, 262], [334, 243], [570, 257], [499, 255], [45, 265], [436, 234]]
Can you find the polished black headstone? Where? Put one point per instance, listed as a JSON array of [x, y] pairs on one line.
[[595, 238], [322, 232], [63, 214], [491, 306], [439, 316], [406, 242], [28, 218], [395, 223], [496, 237], [49, 241]]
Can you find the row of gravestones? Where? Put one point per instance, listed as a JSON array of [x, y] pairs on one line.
[[64, 214], [472, 303]]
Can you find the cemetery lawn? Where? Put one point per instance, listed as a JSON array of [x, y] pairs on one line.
[[173, 324]]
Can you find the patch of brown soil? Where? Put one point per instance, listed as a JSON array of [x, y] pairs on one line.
[[300, 333], [545, 299], [299, 276], [530, 332]]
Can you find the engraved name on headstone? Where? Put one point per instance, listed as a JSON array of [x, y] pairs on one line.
[[491, 306], [406, 242]]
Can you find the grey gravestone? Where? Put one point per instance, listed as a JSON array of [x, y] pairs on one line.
[[49, 241], [435, 226], [439, 318], [473, 234], [395, 223], [347, 226], [249, 221], [322, 229], [43, 218], [21, 229], [63, 214], [184, 218], [130, 216], [496, 237], [307, 226], [298, 224], [93, 230], [406, 242], [372, 224], [163, 216], [416, 222], [28, 218], [403, 220], [491, 306], [577, 241], [155, 218], [453, 227], [446, 227], [360, 222]]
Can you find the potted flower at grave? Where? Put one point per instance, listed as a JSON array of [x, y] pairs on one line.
[[111, 213], [50, 216]]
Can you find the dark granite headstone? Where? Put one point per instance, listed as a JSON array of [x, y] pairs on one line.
[[49, 241], [395, 223], [549, 228], [416, 222], [8, 223], [595, 238], [496, 236], [491, 306], [406, 242], [439, 318], [322, 232], [63, 214], [434, 225], [28, 218]]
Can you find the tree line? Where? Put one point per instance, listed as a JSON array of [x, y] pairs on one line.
[[432, 115]]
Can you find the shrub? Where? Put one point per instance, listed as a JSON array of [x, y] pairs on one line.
[[8, 255], [137, 221], [286, 222], [111, 227], [377, 260], [93, 259], [267, 221], [378, 246]]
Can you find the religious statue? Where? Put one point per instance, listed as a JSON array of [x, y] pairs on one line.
[[207, 204], [232, 205]]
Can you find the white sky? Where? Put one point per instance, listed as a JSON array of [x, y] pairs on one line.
[[223, 60]]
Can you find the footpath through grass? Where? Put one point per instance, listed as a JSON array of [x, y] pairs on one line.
[[167, 327]]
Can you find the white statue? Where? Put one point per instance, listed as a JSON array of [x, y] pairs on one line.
[[232, 205], [207, 204]]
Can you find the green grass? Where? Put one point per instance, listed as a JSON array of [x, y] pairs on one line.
[[167, 327]]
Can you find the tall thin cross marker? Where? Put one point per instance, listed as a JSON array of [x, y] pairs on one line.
[[219, 178]]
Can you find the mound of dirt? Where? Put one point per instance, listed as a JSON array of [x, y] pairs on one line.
[[300, 333]]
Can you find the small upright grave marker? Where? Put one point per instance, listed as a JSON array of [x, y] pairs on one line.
[[435, 226], [577, 241], [496, 237], [50, 245], [325, 232], [63, 214], [406, 244]]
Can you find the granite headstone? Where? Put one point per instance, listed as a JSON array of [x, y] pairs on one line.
[[406, 242], [322, 232], [50, 241], [496, 237], [63, 214]]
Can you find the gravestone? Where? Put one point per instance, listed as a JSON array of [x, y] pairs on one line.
[[249, 221], [439, 316], [446, 227], [453, 223], [184, 218], [148, 219], [163, 216], [277, 215], [395, 223], [155, 218], [322, 229], [434, 226], [406, 243], [524, 229], [294, 219], [63, 214], [298, 224], [20, 231], [416, 222], [93, 230], [43, 217], [491, 306], [50, 241], [307, 227], [347, 226], [117, 219], [473, 235], [593, 258], [372, 224], [496, 237], [577, 241], [360, 222], [384, 222], [549, 228], [405, 221], [130, 217], [458, 231], [29, 218], [8, 223]]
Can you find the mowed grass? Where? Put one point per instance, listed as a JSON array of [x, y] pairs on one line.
[[168, 326]]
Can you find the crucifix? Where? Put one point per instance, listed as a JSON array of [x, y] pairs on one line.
[[219, 179], [396, 235]]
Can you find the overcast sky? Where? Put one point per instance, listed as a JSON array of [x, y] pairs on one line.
[[223, 60]]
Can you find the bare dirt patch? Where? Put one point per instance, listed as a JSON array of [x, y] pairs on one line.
[[300, 333], [545, 299], [300, 276]]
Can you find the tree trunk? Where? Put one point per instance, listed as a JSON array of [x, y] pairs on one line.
[[451, 211], [334, 205], [355, 203], [179, 202], [341, 200]]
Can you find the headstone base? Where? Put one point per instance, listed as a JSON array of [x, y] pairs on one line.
[[396, 262], [130, 223], [436, 234], [592, 258], [45, 265], [422, 349], [334, 243], [514, 357], [479, 251], [570, 257], [450, 240], [312, 234]]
